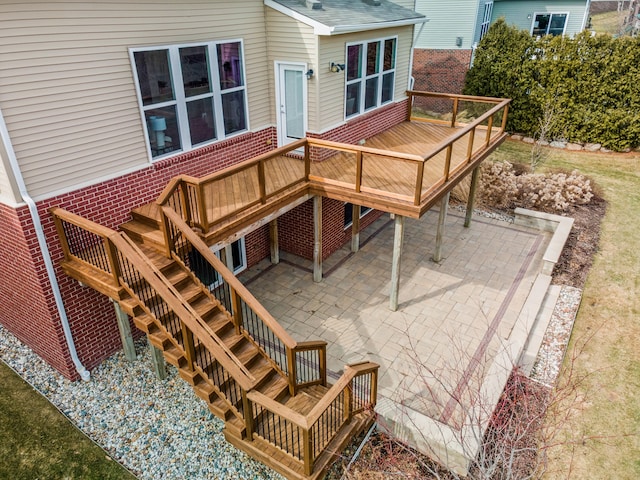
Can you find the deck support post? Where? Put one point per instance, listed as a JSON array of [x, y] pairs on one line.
[[317, 239], [157, 360], [273, 240], [355, 229], [442, 217], [472, 196], [124, 327], [395, 266]]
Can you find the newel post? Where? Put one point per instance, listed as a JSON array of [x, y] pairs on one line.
[[247, 408], [307, 440], [236, 302], [293, 373]]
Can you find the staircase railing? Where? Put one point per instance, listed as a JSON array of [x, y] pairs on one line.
[[305, 437], [199, 196], [114, 253], [304, 363]]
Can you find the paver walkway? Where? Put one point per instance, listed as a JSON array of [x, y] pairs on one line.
[[452, 317]]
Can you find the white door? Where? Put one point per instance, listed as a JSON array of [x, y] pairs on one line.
[[291, 89]]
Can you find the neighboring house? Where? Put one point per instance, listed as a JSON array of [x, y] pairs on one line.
[[102, 103], [444, 48]]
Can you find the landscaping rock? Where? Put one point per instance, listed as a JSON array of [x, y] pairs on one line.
[[517, 136], [574, 146], [592, 147], [558, 144], [605, 150], [528, 140]]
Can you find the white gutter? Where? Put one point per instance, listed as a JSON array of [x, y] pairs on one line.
[[37, 224]]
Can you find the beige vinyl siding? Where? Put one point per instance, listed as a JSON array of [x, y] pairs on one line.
[[291, 41], [66, 82], [332, 85]]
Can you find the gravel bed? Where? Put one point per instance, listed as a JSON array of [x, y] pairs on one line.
[[556, 337], [156, 429], [484, 213]]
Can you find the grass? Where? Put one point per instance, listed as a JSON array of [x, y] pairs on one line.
[[606, 22], [601, 439], [38, 442]]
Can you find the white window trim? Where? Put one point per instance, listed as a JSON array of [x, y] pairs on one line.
[[180, 99], [363, 213], [365, 77], [535, 14], [486, 18]]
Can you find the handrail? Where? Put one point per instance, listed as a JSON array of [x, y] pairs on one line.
[[197, 187], [312, 445], [229, 277], [471, 126], [240, 293], [168, 292]]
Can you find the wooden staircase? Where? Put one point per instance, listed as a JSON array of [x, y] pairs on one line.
[[271, 392]]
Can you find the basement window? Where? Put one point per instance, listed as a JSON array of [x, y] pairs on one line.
[[190, 95], [348, 213]]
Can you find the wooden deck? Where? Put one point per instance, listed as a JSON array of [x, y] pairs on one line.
[[404, 170]]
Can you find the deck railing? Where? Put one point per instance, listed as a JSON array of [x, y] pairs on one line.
[[199, 201], [307, 436], [304, 364], [262, 178], [114, 253]]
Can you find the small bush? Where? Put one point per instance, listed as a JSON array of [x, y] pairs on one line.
[[504, 187]]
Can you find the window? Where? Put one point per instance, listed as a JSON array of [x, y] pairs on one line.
[[191, 94], [486, 18], [348, 213], [549, 24], [370, 72]]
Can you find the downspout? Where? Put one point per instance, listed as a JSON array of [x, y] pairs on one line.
[[586, 15], [413, 46], [37, 224]]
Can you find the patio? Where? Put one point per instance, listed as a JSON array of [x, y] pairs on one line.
[[452, 335]]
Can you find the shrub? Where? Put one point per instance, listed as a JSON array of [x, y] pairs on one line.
[[502, 187], [592, 82]]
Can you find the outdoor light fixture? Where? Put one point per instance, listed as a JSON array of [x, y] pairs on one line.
[[309, 74], [529, 17], [336, 67]]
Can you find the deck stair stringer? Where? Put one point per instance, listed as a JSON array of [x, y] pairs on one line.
[[236, 357]]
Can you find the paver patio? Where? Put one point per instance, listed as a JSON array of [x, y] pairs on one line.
[[453, 316]]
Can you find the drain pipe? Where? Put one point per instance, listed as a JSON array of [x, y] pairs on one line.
[[37, 225]]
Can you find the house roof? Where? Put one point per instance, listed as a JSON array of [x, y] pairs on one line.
[[334, 17]]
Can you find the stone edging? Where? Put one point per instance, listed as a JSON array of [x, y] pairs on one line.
[[561, 144]]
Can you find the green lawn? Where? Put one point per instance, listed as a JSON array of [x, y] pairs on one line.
[[607, 22], [601, 439], [38, 442]]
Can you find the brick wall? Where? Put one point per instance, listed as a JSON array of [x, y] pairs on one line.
[[29, 310], [295, 228], [439, 71], [26, 308]]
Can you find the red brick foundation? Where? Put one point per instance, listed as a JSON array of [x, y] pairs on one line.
[[439, 71], [28, 308]]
